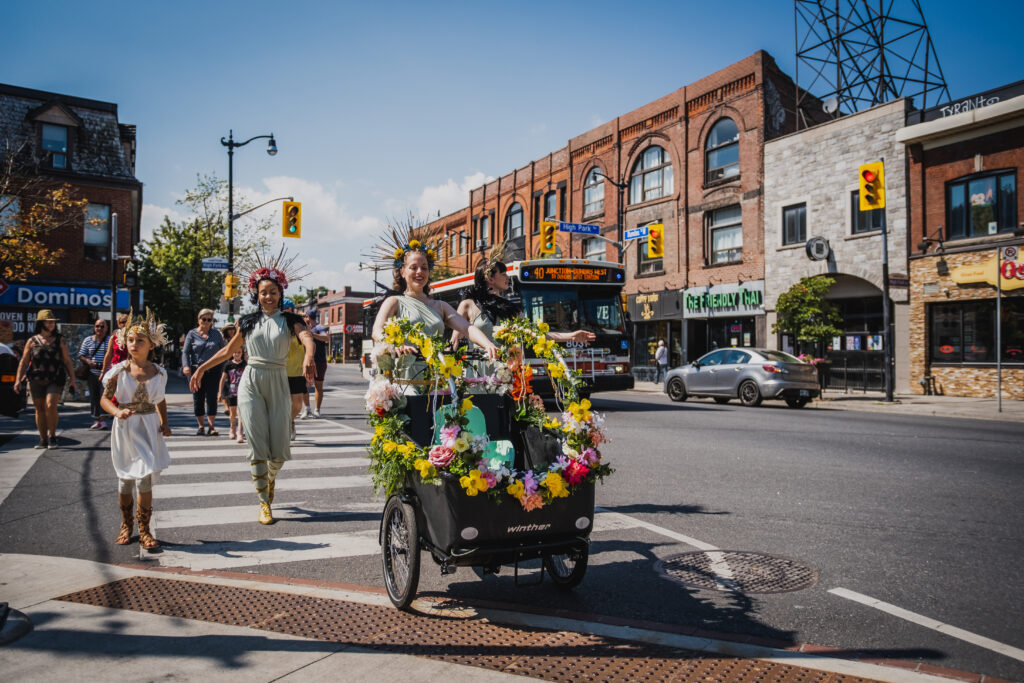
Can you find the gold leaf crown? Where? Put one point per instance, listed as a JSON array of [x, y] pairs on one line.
[[148, 326]]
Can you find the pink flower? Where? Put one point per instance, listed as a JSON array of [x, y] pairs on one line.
[[589, 456], [575, 472], [449, 434], [530, 484], [596, 436], [532, 501], [441, 456]]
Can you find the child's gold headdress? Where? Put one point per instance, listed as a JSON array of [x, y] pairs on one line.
[[148, 326]]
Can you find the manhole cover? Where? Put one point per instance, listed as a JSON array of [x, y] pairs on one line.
[[738, 571]]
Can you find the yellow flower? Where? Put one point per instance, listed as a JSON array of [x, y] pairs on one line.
[[461, 445], [555, 484], [424, 467], [581, 410], [431, 254], [427, 348], [467, 405], [474, 483], [543, 328], [406, 449], [552, 423], [450, 368], [399, 253], [390, 446], [555, 370], [392, 333], [516, 489], [414, 244]]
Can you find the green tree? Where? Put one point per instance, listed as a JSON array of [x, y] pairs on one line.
[[804, 312]]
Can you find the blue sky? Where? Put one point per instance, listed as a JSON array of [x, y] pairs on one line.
[[381, 108]]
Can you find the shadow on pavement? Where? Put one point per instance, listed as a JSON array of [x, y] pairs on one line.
[[650, 508]]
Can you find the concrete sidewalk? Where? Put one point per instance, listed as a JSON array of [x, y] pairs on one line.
[[902, 404]]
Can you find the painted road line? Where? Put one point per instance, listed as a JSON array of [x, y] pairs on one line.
[[243, 453], [186, 443], [18, 458], [221, 467], [634, 522], [245, 514], [927, 622], [231, 554], [285, 484]]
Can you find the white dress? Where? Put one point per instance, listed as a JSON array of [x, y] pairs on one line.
[[136, 445]]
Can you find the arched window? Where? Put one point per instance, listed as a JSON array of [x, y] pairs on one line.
[[514, 221], [593, 193], [722, 155], [652, 176]]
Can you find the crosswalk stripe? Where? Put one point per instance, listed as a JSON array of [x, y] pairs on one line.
[[246, 514], [284, 484], [241, 452], [220, 467], [185, 443], [230, 554]]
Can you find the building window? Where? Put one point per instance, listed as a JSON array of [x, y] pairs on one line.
[[981, 205], [965, 331], [593, 193], [551, 206], [10, 210], [722, 151], [55, 144], [593, 248], [485, 230], [514, 221], [864, 221], [794, 224], [97, 232], [652, 176], [645, 264], [725, 234]]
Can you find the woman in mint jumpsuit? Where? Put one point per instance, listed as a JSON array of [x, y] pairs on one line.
[[264, 400]]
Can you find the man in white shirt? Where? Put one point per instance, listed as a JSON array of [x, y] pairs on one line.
[[661, 358]]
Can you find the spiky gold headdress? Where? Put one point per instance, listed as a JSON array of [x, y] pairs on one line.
[[278, 267], [497, 254], [401, 237], [147, 326]]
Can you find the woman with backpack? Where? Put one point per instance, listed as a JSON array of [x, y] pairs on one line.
[[47, 364]]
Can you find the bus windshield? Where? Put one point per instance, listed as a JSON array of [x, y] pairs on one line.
[[566, 309]]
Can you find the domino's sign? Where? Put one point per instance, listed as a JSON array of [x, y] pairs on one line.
[[57, 296]]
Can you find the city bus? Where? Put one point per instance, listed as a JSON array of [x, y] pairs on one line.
[[567, 294]]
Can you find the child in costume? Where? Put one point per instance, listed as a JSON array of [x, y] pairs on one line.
[[264, 401], [232, 377], [137, 447]]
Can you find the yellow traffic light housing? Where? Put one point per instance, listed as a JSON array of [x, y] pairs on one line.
[[548, 231], [655, 240], [291, 219], [872, 186], [231, 286]]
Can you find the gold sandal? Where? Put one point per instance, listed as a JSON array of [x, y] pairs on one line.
[[146, 539], [125, 537]]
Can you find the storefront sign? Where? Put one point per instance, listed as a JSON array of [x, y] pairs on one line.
[[570, 273], [654, 306], [57, 296], [1012, 274], [724, 300]]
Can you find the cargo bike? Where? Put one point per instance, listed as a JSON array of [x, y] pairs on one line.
[[485, 532]]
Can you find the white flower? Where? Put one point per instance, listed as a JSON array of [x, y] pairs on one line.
[[479, 442], [569, 451]]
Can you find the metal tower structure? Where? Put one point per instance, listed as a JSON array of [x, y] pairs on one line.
[[860, 54]]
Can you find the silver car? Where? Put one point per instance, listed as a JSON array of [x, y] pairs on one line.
[[751, 375]]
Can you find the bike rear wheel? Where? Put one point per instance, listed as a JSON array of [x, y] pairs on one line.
[[400, 552], [566, 570]]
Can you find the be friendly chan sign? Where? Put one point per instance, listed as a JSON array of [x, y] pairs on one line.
[[724, 300]]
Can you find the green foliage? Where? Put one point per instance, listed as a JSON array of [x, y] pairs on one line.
[[804, 312]]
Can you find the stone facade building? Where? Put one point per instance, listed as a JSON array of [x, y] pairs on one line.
[[964, 166], [64, 139], [692, 161], [811, 193]]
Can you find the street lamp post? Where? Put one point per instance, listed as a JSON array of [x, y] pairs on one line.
[[231, 144], [621, 186]]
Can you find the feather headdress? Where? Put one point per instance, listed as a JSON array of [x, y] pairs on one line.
[[498, 253], [148, 326], [278, 267], [401, 237]]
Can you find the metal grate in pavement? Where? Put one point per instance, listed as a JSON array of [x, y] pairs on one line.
[[466, 640], [743, 572]]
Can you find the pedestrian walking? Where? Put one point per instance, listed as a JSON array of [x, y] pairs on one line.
[[115, 354], [320, 338], [229, 381], [661, 358], [264, 403], [91, 355], [297, 385], [228, 331], [46, 363], [137, 446], [202, 343]]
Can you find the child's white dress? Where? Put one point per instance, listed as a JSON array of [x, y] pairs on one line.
[[136, 445]]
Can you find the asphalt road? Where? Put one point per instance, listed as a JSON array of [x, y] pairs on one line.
[[922, 513]]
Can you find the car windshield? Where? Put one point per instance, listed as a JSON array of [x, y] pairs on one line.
[[566, 309], [780, 356]]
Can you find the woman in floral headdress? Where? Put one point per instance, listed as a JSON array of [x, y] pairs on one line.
[[264, 401]]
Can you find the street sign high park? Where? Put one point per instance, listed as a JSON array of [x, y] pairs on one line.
[[585, 228]]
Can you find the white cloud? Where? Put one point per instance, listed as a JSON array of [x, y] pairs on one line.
[[450, 196], [153, 218]]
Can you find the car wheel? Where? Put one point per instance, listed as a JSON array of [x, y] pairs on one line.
[[750, 395], [796, 402], [722, 400], [676, 389]]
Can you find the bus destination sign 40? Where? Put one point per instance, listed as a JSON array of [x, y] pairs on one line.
[[570, 273]]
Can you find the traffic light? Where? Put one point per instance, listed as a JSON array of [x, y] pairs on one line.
[[655, 240], [872, 186], [231, 286], [548, 230], [291, 219], [129, 278]]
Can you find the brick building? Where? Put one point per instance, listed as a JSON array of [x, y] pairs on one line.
[[691, 160], [964, 162], [341, 313], [65, 139], [811, 193]]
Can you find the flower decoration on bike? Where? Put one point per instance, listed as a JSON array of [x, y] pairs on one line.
[[457, 449]]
